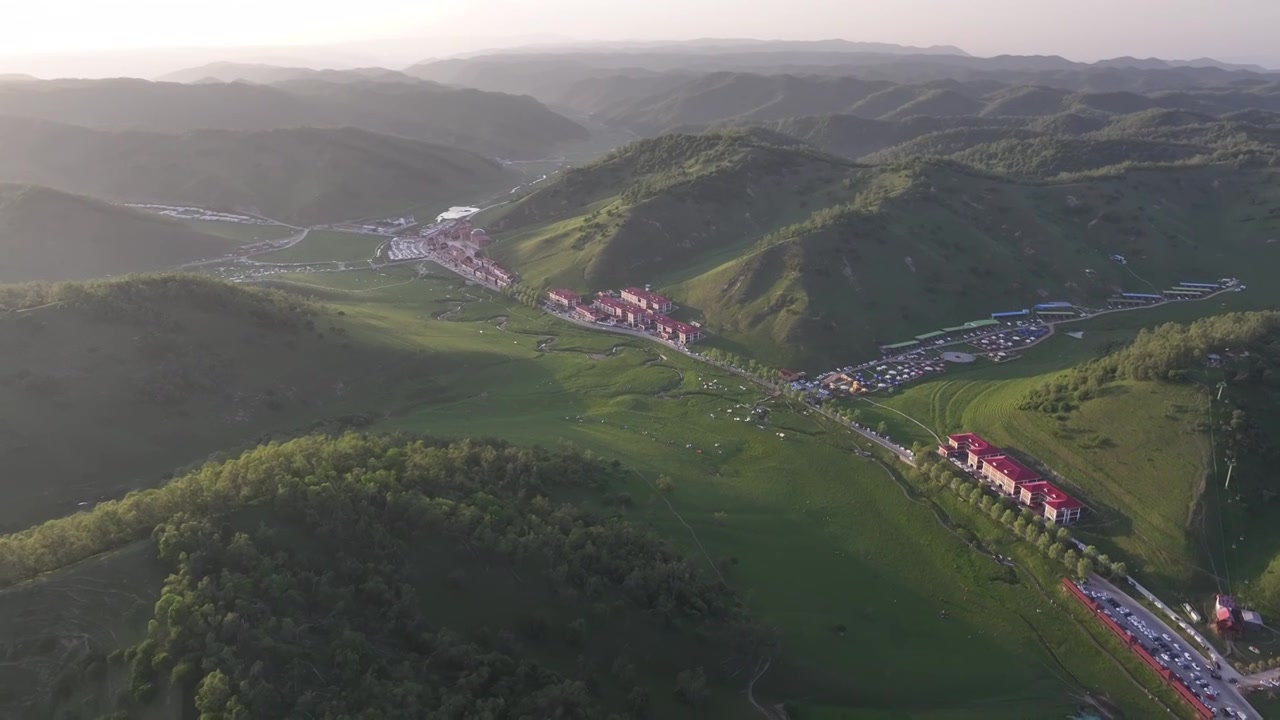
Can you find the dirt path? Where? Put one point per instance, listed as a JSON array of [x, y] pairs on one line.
[[774, 713], [917, 422]]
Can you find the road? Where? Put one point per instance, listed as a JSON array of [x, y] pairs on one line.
[[1196, 670], [293, 240]]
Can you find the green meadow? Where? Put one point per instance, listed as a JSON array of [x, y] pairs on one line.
[[1135, 455], [868, 589]]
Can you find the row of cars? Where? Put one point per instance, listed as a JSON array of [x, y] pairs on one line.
[[1170, 651]]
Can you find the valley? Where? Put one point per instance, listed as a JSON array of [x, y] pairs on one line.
[[715, 379]]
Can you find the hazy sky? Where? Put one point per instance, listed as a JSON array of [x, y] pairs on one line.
[[1079, 29]]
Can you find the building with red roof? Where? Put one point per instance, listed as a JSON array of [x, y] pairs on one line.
[[564, 298], [969, 447], [612, 307], [676, 330], [1057, 506], [647, 300], [640, 317], [1007, 473], [1224, 612], [588, 313]]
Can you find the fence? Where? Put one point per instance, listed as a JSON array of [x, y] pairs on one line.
[[1131, 640]]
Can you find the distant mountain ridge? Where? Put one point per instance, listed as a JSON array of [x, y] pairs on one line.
[[493, 124], [502, 71], [652, 104], [271, 74], [297, 176]]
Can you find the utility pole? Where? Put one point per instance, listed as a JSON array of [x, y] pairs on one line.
[[1231, 465], [1221, 386]]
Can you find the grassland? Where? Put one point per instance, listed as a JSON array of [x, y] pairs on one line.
[[834, 544], [802, 260], [1136, 455], [50, 235], [327, 245], [851, 566], [193, 372]]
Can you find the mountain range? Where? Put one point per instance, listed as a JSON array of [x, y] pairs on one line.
[[492, 124], [805, 259], [295, 175]]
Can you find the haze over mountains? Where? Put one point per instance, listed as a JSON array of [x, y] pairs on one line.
[[292, 175], [805, 203], [495, 124]]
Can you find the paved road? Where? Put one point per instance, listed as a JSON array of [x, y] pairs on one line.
[[1198, 667], [293, 240]]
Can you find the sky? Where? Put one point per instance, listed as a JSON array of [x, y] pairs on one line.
[[1235, 30]]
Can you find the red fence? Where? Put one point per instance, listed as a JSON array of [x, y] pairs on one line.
[[1128, 638]]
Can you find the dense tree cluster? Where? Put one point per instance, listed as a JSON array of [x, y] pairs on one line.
[[320, 613], [1170, 352]]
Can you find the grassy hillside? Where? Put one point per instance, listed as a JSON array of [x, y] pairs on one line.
[[659, 205], [493, 124], [651, 104], [1155, 488], [830, 557], [845, 257], [149, 373], [51, 235], [350, 559], [297, 176]]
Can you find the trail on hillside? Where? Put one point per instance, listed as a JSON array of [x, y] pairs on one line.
[[917, 422]]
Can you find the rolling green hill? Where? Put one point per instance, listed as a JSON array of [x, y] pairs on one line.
[[843, 257], [650, 104], [149, 373], [493, 124], [1155, 489], [812, 554], [297, 176], [353, 575], [659, 205], [50, 235]]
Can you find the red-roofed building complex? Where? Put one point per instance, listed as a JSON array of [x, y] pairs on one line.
[[1007, 473], [675, 330], [1058, 507], [612, 307], [1012, 477], [968, 447], [647, 300], [588, 313], [564, 298]]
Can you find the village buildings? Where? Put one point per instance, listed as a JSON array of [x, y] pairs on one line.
[[1012, 478], [566, 299], [647, 300]]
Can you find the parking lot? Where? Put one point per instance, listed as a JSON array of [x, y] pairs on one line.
[[1010, 340], [1173, 652]]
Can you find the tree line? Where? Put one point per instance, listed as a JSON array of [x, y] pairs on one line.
[[320, 612], [1168, 353], [1054, 542]]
